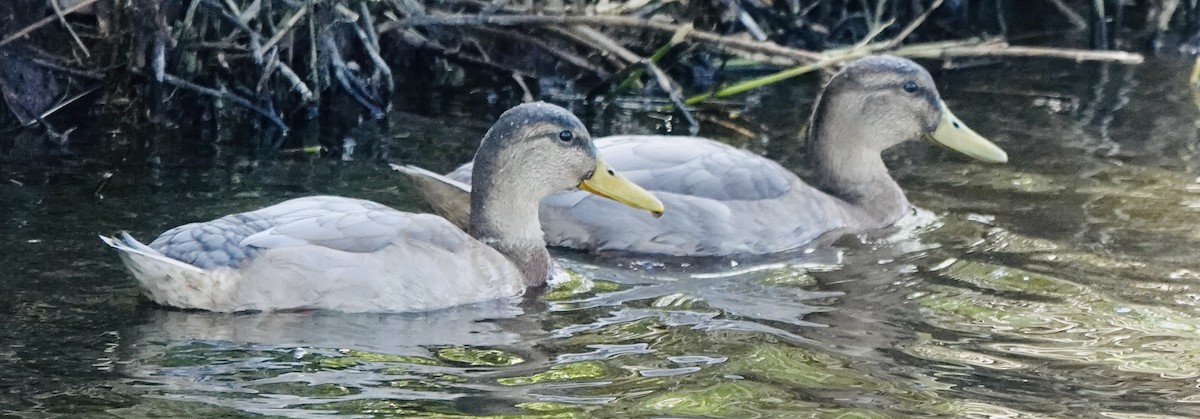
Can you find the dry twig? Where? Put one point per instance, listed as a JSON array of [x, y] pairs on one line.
[[220, 94], [908, 30], [567, 56], [728, 43], [282, 31], [664, 81], [35, 25], [63, 19]]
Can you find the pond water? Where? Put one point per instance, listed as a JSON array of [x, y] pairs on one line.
[[1063, 284]]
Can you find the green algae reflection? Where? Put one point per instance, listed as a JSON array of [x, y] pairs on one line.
[[352, 358], [578, 286], [479, 357], [1040, 316], [561, 372]]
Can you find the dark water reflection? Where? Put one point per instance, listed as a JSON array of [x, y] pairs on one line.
[[1062, 284]]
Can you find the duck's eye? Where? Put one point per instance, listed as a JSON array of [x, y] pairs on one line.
[[566, 136], [910, 86]]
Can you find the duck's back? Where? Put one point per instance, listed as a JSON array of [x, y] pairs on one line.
[[719, 200], [321, 252]]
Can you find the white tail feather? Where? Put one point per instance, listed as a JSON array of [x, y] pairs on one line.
[[172, 282], [129, 247]]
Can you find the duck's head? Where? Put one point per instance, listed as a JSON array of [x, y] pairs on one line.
[[884, 100], [537, 149]]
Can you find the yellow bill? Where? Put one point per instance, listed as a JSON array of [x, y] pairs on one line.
[[609, 184], [956, 135]]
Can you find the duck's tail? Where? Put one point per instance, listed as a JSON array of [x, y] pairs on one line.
[[161, 277], [449, 198], [142, 255]]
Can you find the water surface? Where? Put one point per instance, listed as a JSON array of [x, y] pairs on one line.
[[1063, 284]]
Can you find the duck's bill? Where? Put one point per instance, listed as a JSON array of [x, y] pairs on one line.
[[954, 134], [608, 183]]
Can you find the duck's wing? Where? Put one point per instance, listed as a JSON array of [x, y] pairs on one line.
[[349, 225], [690, 166], [337, 253], [449, 198], [334, 222], [696, 167], [719, 200]]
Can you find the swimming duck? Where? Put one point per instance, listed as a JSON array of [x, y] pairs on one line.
[[727, 201], [328, 252]]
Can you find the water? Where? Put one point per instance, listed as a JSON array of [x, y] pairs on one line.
[[1063, 284]]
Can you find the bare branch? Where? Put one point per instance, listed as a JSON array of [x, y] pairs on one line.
[[35, 25], [220, 94]]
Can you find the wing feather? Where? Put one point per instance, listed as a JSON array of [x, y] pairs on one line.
[[719, 200], [343, 224]]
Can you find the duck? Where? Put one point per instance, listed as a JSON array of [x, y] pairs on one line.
[[352, 255], [727, 201]]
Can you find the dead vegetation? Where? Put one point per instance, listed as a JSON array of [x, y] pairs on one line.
[[282, 64]]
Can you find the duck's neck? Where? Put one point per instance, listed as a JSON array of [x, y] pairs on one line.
[[505, 217], [854, 174]]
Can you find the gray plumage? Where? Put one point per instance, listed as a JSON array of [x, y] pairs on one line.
[[721, 200], [726, 201], [323, 252], [327, 252]]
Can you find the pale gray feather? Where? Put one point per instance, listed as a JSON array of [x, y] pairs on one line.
[[345, 224], [320, 252], [449, 198], [354, 255], [719, 200]]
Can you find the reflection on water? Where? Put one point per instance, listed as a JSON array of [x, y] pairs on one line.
[[1062, 284]]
